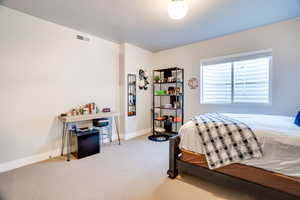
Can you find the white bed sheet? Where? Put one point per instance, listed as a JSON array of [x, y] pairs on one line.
[[278, 135]]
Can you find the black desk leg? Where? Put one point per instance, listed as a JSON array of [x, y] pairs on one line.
[[69, 145], [63, 138], [117, 129], [70, 148]]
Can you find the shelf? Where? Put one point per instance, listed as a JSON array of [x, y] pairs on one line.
[[169, 69], [173, 80], [165, 120], [179, 82], [168, 95], [168, 108], [131, 95]]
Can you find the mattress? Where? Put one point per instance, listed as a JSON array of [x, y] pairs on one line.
[[249, 173], [278, 136]]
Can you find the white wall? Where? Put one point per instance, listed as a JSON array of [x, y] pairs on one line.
[[44, 71], [282, 37], [132, 60]]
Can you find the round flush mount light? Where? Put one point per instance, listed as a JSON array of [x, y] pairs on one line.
[[178, 9]]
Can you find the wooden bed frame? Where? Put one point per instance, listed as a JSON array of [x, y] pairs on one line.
[[176, 166]]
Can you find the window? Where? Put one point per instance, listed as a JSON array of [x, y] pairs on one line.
[[236, 79]]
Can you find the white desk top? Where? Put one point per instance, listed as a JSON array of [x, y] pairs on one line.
[[78, 118]]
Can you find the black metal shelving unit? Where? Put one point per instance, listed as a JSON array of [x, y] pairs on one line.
[[165, 116]]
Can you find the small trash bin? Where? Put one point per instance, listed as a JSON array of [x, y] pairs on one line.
[[86, 143]]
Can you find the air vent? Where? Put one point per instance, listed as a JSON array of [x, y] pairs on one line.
[[80, 37]]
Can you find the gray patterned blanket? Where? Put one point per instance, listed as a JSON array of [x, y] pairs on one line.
[[225, 140]]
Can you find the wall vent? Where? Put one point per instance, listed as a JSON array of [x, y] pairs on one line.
[[80, 37]]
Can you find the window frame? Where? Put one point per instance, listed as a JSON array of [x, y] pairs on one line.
[[234, 58]]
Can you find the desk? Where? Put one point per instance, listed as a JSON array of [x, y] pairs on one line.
[[66, 120]]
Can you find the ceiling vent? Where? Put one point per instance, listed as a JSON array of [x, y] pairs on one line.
[[80, 37]]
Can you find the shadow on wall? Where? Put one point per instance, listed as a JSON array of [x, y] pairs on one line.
[[52, 142]]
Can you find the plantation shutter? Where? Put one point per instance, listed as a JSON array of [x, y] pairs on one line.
[[251, 81], [216, 83], [237, 79]]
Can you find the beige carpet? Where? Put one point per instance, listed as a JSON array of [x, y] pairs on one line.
[[136, 170]]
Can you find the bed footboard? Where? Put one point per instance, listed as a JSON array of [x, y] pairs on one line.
[[174, 152]]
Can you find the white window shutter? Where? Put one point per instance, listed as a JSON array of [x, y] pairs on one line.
[[237, 79], [216, 83], [251, 81]]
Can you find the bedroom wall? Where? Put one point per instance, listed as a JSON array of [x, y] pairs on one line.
[[283, 38], [131, 61], [44, 71]]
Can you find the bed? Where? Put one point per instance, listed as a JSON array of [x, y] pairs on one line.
[[275, 176]]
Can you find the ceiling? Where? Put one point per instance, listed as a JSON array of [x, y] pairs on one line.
[[145, 23]]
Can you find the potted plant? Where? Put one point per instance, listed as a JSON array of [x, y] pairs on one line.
[[156, 79]]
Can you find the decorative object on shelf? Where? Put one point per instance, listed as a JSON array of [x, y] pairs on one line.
[[143, 84], [105, 110], [131, 90], [161, 92], [168, 124], [171, 90], [176, 104], [171, 79], [168, 101], [193, 83], [170, 118], [161, 118], [160, 129], [156, 79], [178, 90], [86, 109], [131, 114], [177, 119]]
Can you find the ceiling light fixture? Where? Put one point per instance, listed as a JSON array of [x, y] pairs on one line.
[[178, 9]]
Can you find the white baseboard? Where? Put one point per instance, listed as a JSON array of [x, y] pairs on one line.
[[7, 166], [129, 136]]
